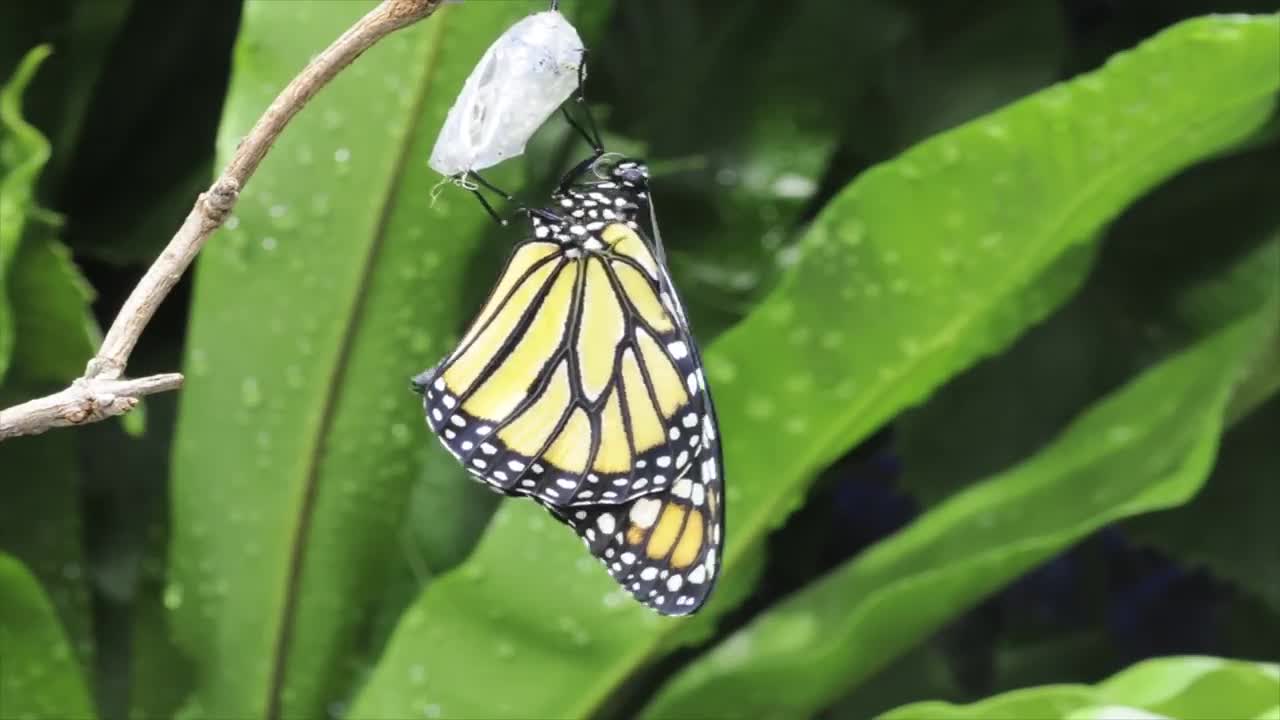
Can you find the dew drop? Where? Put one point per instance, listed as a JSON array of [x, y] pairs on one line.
[[788, 256], [793, 186], [996, 130], [173, 596], [198, 362], [250, 393], [1120, 434], [760, 408], [727, 176], [853, 232], [400, 434]]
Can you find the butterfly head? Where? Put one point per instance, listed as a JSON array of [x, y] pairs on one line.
[[630, 173]]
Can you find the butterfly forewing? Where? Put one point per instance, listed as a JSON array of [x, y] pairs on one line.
[[575, 384]]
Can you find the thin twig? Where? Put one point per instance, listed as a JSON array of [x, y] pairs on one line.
[[86, 401], [100, 394]]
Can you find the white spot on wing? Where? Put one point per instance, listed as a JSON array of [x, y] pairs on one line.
[[606, 523], [645, 512]]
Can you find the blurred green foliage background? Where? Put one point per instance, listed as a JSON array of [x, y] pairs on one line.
[[989, 294]]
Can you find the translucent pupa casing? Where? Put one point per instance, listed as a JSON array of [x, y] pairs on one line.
[[521, 80]]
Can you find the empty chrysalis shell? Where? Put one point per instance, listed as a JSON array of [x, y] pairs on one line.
[[521, 80]]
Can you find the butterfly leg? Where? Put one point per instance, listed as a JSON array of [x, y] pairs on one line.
[[491, 187], [484, 202], [481, 182], [592, 133]]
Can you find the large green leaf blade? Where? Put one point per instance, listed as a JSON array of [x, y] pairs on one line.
[[39, 675], [918, 257], [1185, 688], [293, 462], [1150, 445]]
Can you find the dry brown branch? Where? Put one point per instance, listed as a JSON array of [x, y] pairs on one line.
[[100, 393]]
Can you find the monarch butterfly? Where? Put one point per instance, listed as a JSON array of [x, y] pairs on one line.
[[579, 385]]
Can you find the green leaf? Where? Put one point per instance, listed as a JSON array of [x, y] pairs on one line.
[[43, 308], [1147, 446], [1138, 306], [160, 675], [1182, 688], [82, 34], [57, 333], [44, 302], [39, 676], [1238, 504], [294, 462], [902, 282], [40, 524], [23, 153], [1158, 286], [920, 673]]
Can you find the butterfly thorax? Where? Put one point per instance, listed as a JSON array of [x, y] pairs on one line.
[[582, 209]]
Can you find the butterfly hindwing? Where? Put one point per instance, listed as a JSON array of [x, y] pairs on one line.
[[663, 548]]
